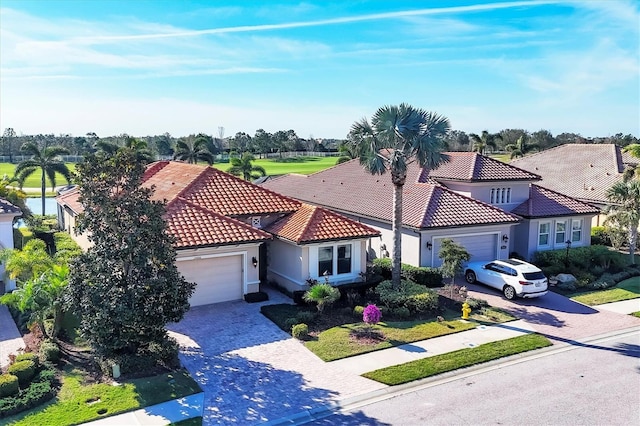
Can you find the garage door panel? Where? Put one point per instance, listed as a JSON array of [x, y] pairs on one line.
[[218, 279], [480, 247]]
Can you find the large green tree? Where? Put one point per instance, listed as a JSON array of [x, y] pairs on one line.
[[138, 146], [522, 147], [48, 161], [624, 209], [244, 167], [396, 137], [125, 288], [634, 150]]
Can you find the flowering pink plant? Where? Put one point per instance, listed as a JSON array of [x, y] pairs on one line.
[[371, 315]]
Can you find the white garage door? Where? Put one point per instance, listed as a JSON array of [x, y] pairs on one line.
[[480, 247], [218, 279]]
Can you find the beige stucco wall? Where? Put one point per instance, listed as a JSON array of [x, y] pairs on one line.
[[286, 262], [527, 232], [481, 191]]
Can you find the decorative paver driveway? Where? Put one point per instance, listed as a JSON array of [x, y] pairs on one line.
[[557, 317], [253, 372]]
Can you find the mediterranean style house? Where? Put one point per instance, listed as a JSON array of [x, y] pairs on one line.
[[232, 234], [581, 171], [495, 210]]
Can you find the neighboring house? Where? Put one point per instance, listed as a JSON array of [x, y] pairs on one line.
[[493, 209], [232, 234], [581, 171], [8, 214]]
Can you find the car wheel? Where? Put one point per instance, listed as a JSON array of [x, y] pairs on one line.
[[470, 277], [509, 292]]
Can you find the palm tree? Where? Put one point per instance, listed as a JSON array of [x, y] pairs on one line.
[[243, 167], [625, 209], [396, 137], [521, 147], [139, 146], [47, 160], [634, 150], [480, 143], [192, 151]]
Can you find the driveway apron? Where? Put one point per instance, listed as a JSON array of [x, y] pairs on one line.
[[253, 372], [557, 317]]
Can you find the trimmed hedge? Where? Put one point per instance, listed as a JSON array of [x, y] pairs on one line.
[[41, 389], [429, 277], [410, 295], [50, 351], [8, 385], [29, 356], [300, 331], [23, 370]]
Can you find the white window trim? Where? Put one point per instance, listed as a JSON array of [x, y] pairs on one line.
[[579, 229], [548, 233], [555, 234], [355, 261]]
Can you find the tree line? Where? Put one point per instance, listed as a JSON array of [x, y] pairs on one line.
[[518, 142]]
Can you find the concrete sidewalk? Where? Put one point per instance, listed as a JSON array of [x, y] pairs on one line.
[[622, 307], [482, 334], [10, 338]]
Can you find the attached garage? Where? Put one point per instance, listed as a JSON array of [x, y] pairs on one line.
[[218, 279], [480, 246]]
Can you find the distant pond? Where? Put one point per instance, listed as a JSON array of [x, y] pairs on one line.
[[35, 204]]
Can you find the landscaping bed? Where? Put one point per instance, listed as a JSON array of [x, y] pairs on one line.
[[624, 290]]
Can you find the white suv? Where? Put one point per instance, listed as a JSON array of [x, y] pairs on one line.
[[513, 277]]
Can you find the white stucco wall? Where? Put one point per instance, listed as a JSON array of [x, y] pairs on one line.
[[482, 191], [286, 262], [6, 242]]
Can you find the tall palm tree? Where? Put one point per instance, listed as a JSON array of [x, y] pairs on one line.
[[625, 209], [521, 147], [486, 139], [192, 151], [397, 136], [48, 160], [243, 167], [139, 146]]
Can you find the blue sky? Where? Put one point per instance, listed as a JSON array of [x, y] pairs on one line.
[[149, 67]]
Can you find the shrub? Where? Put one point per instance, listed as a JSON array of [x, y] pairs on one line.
[[322, 294], [401, 312], [300, 331], [50, 351], [305, 316], [358, 311], [430, 277], [410, 295], [298, 297], [29, 356], [371, 315], [8, 385], [477, 304], [23, 370], [36, 394], [290, 322], [259, 296], [600, 236]]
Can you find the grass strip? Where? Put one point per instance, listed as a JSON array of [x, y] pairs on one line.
[[336, 343], [438, 364], [78, 402], [636, 314], [624, 290]]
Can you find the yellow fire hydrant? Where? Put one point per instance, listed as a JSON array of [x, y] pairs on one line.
[[466, 310]]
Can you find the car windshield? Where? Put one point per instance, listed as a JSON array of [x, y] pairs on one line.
[[538, 275]]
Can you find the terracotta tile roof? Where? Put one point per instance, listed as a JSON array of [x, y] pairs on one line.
[[348, 188], [70, 199], [202, 203], [582, 171], [543, 202], [8, 208], [473, 167], [195, 226], [313, 224]]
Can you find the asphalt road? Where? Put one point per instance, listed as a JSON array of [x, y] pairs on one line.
[[596, 383]]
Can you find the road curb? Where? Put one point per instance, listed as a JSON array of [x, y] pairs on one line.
[[367, 398]]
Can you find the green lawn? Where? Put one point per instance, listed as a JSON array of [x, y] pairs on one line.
[[78, 402], [301, 165], [636, 314], [443, 363], [336, 343], [625, 290], [34, 180]]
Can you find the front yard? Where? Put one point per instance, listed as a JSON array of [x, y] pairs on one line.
[[625, 290]]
